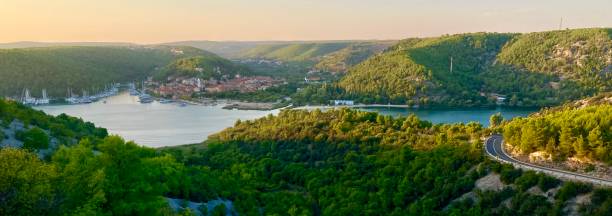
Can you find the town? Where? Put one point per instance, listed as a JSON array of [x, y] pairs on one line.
[[186, 87]]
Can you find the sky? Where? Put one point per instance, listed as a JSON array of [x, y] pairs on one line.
[[155, 21]]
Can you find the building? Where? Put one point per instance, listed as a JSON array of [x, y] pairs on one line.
[[343, 102]]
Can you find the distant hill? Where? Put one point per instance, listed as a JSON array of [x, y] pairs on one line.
[[206, 65], [33, 44], [583, 55], [81, 68], [226, 49], [312, 51], [531, 69], [341, 60], [293, 52]]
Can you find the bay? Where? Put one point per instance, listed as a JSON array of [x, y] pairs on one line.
[[157, 125]]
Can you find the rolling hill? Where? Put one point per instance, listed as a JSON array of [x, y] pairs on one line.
[[80, 68], [339, 61], [206, 65], [308, 51], [533, 69]]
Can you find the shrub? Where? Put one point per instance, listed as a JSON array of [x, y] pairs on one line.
[[35, 138], [571, 189]]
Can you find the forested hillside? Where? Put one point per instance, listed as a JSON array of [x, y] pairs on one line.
[[293, 51], [310, 51], [583, 55], [346, 162], [206, 65], [579, 129], [31, 129], [339, 162], [339, 61], [80, 68], [418, 71], [83, 173], [531, 69]]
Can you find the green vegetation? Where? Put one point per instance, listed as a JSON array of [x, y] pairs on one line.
[[34, 139], [114, 177], [204, 66], [339, 61], [534, 69], [67, 130], [79, 68], [566, 131], [417, 71], [269, 95], [584, 55], [346, 162], [338, 162], [294, 51]]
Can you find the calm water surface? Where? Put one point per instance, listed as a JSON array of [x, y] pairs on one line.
[[454, 115], [158, 124]]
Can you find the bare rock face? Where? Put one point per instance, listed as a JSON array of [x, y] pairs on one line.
[[540, 156], [576, 55], [490, 182]]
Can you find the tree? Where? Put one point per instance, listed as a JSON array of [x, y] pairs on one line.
[[35, 138], [495, 120], [26, 184]]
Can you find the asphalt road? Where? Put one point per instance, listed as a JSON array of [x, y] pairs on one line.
[[493, 147]]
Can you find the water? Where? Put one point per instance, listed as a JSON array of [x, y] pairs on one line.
[[156, 124], [454, 115]]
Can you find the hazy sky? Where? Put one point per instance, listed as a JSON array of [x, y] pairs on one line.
[[151, 21]]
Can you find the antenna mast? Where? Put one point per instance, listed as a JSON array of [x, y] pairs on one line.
[[451, 64]]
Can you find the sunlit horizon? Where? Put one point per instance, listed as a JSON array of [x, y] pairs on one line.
[[159, 21]]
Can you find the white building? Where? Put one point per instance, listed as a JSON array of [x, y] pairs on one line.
[[343, 102]]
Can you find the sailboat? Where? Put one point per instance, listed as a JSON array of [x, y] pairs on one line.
[[44, 100], [72, 98], [27, 98], [144, 97], [85, 98]]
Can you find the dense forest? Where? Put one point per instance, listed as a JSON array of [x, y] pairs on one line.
[[205, 66], [567, 131], [338, 162], [339, 61], [335, 52], [533, 69], [80, 68], [36, 130], [346, 162]]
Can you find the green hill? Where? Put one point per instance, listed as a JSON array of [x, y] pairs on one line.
[[531, 69], [206, 65], [341, 60], [80, 68], [579, 129], [294, 52], [347, 162], [418, 70], [23, 127]]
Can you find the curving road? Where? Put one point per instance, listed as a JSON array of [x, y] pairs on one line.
[[494, 148]]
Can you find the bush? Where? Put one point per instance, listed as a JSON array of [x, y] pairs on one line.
[[34, 139], [509, 174], [219, 210], [527, 180], [571, 189], [546, 182]]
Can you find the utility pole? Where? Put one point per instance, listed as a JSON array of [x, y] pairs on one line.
[[451, 68], [561, 24]]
